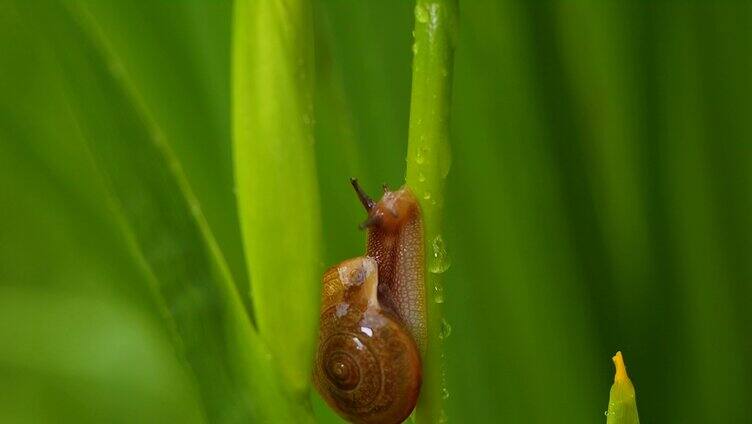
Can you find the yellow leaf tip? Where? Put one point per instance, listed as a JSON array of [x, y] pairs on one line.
[[621, 369]]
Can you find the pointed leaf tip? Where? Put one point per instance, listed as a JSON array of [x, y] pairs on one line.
[[621, 369], [622, 405]]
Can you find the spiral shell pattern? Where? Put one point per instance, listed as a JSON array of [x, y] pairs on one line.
[[367, 365]]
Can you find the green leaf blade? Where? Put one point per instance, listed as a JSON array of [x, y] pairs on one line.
[[276, 180], [163, 222], [622, 406]]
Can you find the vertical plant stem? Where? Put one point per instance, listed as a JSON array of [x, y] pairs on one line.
[[275, 174], [428, 161]]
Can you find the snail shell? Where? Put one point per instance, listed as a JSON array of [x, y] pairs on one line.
[[372, 321], [367, 364]]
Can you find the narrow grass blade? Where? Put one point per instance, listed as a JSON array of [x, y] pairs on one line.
[[163, 221], [177, 54], [622, 407], [276, 178], [428, 160]]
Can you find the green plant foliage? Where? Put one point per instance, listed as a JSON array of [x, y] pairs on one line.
[[428, 162], [599, 198], [622, 403], [276, 178], [161, 219]]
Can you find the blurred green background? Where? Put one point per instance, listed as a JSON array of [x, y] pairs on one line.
[[600, 199]]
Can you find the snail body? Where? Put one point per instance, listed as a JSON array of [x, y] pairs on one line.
[[372, 318], [395, 240]]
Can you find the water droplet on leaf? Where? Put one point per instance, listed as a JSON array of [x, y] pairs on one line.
[[438, 293], [440, 261], [421, 14], [445, 159], [423, 152], [445, 329]]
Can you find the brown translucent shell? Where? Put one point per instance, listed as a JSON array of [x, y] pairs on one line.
[[372, 322], [367, 365]]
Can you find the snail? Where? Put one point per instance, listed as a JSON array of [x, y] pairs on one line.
[[372, 320]]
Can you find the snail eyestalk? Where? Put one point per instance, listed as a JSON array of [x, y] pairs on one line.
[[365, 200]]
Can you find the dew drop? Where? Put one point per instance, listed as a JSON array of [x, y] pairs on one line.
[[440, 261], [445, 159], [427, 195], [421, 177], [419, 158], [445, 329], [444, 393], [423, 152], [438, 293], [421, 14], [415, 48]]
